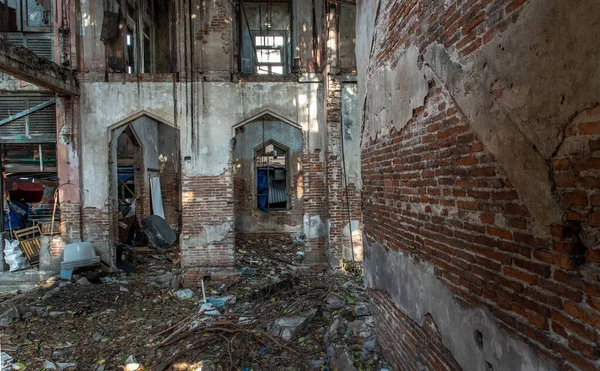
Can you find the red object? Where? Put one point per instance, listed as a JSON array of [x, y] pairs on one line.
[[26, 192]]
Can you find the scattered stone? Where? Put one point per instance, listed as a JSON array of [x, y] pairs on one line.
[[184, 294], [65, 352], [340, 358], [334, 301], [362, 310], [50, 365], [356, 327], [83, 281], [123, 289], [370, 344], [288, 328], [55, 314], [51, 293]]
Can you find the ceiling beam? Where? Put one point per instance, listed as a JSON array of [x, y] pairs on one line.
[[24, 64]]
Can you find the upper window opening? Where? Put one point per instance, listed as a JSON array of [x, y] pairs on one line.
[[266, 41], [25, 16]]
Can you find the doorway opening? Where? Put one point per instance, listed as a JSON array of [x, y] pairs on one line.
[[145, 177]]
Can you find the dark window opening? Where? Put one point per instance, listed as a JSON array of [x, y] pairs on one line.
[[10, 16], [28, 23], [138, 36], [271, 178], [265, 38], [130, 43]]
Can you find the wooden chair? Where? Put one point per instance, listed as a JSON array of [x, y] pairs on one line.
[[29, 242]]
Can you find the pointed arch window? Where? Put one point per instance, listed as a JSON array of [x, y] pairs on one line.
[[271, 174]]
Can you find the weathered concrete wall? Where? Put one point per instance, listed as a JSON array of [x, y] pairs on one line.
[[422, 294], [469, 181], [205, 122], [247, 218]]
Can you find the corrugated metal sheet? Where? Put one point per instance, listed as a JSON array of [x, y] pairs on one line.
[[277, 191], [40, 124]]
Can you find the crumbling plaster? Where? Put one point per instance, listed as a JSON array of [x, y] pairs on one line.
[[422, 293], [518, 92]]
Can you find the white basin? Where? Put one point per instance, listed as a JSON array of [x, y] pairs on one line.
[[79, 254]]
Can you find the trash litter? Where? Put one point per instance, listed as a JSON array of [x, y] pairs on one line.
[[184, 294], [66, 274], [13, 256], [79, 254], [159, 233], [219, 302], [131, 364], [6, 361]]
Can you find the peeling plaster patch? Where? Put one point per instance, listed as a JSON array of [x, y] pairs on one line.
[[399, 91], [355, 228], [314, 226], [519, 110], [217, 232], [417, 292], [196, 240], [578, 145]]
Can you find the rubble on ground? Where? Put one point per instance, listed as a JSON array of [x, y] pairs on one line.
[[275, 318]]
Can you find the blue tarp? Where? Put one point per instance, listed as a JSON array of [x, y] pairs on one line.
[[17, 214], [262, 189]]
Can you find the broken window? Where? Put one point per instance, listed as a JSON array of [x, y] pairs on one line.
[[271, 177], [129, 33], [266, 41], [28, 23]]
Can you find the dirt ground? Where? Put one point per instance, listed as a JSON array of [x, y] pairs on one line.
[[108, 321]]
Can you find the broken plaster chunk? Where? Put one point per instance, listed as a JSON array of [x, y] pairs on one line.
[[288, 328], [334, 301], [83, 281], [362, 310], [184, 294]]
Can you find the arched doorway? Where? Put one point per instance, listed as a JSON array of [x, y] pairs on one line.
[[268, 176], [145, 177]]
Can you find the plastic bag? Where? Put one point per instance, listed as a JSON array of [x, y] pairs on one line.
[[13, 256]]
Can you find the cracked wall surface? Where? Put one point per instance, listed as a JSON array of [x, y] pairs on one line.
[[480, 165]]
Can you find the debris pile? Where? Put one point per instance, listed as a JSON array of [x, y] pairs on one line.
[[275, 318]]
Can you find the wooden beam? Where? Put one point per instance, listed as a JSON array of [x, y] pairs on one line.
[[24, 64]]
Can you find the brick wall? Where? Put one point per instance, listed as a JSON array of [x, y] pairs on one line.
[[315, 203], [405, 342], [97, 224], [433, 192], [207, 201], [169, 183], [343, 202], [70, 221]]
